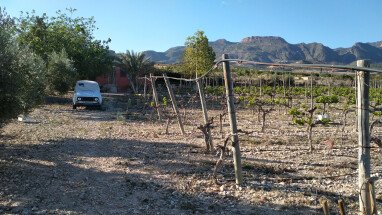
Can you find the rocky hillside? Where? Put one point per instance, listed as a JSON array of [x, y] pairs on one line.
[[276, 49]]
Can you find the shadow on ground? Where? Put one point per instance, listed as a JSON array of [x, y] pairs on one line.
[[112, 176]]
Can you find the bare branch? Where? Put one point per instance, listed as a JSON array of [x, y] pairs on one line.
[[219, 163]]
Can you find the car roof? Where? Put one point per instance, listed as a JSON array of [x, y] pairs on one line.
[[87, 82]]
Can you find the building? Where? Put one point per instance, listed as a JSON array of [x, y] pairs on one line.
[[116, 81]]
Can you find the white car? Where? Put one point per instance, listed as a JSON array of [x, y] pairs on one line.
[[87, 93]]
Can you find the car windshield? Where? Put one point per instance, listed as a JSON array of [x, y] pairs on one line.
[[81, 86]]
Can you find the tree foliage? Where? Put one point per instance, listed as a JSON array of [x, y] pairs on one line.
[[135, 64], [6, 21], [22, 78], [45, 35], [198, 56], [61, 74], [39, 53]]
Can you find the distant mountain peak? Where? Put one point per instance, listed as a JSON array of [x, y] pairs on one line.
[[222, 41], [276, 49], [259, 39]]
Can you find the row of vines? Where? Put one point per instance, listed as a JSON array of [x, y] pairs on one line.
[[309, 100]]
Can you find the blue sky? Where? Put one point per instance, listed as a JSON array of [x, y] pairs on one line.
[[141, 25]]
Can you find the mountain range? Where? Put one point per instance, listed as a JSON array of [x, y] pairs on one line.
[[277, 50]]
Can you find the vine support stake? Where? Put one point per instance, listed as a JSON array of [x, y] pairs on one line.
[[232, 120], [173, 101], [373, 205], [205, 113], [145, 87], [356, 100], [363, 83], [311, 90], [325, 207], [341, 206], [155, 95]]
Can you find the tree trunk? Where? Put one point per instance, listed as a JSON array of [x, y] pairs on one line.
[[132, 83]]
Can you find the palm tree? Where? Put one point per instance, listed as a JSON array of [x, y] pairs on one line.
[[135, 64]]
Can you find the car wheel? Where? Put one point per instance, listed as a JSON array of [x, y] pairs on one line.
[[74, 107]]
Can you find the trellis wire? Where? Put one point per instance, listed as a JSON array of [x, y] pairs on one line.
[[242, 61], [362, 68]]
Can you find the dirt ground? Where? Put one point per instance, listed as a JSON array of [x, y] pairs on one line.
[[120, 161]]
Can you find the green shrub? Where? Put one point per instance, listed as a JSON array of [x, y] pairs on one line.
[[61, 74], [21, 78]]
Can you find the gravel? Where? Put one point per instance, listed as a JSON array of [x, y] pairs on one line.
[[99, 162]]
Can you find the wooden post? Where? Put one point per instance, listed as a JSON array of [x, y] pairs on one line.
[[373, 202], [341, 206], [145, 87], [155, 95], [311, 90], [283, 85], [174, 105], [232, 120], [221, 125], [205, 113], [356, 101], [363, 82], [325, 207]]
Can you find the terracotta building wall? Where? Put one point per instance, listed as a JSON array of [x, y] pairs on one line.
[[121, 80], [118, 78]]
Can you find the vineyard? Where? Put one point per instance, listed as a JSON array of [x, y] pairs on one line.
[[268, 98], [171, 149]]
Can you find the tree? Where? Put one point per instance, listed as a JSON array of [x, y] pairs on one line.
[[22, 78], [135, 64], [198, 56], [61, 74], [6, 21], [45, 35]]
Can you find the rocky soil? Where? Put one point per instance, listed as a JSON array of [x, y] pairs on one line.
[[121, 161]]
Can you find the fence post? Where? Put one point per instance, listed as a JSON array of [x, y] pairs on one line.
[[155, 95], [325, 206], [173, 101], [341, 206], [363, 81], [145, 87], [356, 100], [373, 202], [232, 120], [311, 90], [205, 113]]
